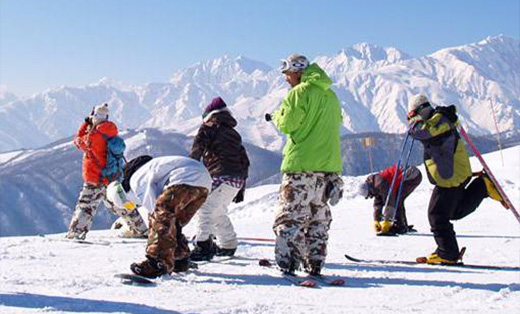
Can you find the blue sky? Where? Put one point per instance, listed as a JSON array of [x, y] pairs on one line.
[[48, 43]]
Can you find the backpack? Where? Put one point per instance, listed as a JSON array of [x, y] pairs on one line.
[[113, 169]]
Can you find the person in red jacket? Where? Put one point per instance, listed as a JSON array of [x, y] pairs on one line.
[[392, 219], [91, 139]]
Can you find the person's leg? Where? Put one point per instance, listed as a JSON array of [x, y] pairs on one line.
[[224, 231], [473, 196], [174, 208], [443, 203], [134, 221], [293, 210], [86, 209], [317, 231]]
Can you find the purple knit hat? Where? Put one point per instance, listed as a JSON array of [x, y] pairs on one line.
[[216, 104]]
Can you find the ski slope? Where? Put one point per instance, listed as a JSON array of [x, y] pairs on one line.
[[41, 275]]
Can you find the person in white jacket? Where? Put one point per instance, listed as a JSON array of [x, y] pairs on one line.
[[171, 189]]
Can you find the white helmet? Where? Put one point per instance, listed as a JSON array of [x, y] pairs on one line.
[[119, 198]]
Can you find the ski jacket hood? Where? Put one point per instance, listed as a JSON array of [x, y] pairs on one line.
[[316, 76]]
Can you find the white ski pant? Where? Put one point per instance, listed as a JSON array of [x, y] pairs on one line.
[[213, 217]]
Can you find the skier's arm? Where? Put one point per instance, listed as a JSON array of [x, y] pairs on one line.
[[202, 141], [435, 126], [80, 136], [290, 115]]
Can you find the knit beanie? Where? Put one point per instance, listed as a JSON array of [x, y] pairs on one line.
[[100, 112], [216, 104], [417, 101]]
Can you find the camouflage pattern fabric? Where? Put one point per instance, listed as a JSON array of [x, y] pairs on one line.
[[173, 210], [86, 208], [132, 218], [303, 220], [89, 198]]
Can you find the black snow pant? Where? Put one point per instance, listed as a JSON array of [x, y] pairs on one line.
[[452, 204]]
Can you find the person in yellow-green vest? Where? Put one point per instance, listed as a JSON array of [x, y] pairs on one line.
[[310, 117], [448, 168]]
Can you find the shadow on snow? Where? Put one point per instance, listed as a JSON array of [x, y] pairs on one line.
[[69, 304]]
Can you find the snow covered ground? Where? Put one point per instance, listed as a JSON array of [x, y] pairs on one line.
[[41, 275]]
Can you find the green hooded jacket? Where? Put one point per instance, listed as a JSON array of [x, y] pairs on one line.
[[310, 116]]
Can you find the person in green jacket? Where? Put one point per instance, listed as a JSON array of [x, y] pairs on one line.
[[448, 168], [310, 116]]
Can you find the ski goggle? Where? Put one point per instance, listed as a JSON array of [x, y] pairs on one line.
[[417, 110], [293, 66]]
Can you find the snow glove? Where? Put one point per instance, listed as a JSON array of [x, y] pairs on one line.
[[334, 189], [268, 117], [240, 195]]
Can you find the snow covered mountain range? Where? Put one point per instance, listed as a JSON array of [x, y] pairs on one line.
[[373, 83]]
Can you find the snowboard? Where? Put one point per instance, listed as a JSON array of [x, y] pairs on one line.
[[133, 279]]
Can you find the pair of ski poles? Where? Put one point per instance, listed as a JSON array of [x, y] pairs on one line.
[[396, 173]]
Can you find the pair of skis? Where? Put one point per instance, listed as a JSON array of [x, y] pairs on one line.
[[310, 281], [423, 261]]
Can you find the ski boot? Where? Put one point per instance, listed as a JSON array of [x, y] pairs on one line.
[[313, 268], [181, 265], [492, 189], [377, 226], [203, 251], [224, 252], [149, 268]]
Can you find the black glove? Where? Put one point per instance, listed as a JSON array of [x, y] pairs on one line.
[[268, 117], [240, 196], [449, 112], [88, 120]]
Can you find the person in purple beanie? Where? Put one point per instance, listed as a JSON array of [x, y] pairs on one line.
[[220, 147]]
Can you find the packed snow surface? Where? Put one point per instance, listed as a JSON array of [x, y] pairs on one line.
[[46, 275]]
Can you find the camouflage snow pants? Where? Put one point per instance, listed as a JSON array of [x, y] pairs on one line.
[[302, 221], [173, 210], [89, 198]]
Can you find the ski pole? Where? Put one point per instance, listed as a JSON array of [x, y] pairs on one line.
[[397, 171], [402, 177], [507, 203]]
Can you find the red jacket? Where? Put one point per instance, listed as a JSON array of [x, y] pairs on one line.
[[388, 175], [90, 140]]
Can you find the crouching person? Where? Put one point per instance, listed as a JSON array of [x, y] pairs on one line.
[[392, 219], [171, 189]]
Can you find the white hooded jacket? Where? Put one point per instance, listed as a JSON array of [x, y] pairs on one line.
[[149, 181]]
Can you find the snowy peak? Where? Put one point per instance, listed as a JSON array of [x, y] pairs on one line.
[[375, 53], [220, 70], [360, 57]]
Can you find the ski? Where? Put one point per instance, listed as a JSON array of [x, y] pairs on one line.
[[506, 202], [301, 282], [326, 280], [413, 263], [79, 241]]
